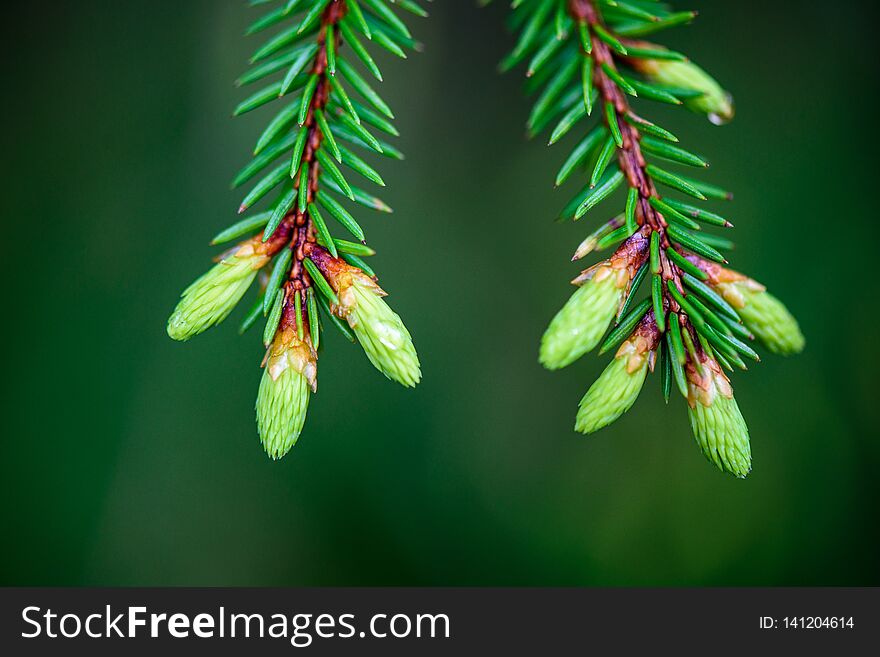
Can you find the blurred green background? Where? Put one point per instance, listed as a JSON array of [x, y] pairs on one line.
[[130, 459]]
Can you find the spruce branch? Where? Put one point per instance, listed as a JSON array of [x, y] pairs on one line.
[[589, 56], [303, 156]]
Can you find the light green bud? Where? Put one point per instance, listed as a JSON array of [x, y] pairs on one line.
[[382, 334], [580, 324], [281, 411], [765, 316], [717, 422], [210, 299], [616, 389], [715, 102], [289, 377]]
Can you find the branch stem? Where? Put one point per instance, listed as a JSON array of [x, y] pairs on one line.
[[629, 154], [298, 223]]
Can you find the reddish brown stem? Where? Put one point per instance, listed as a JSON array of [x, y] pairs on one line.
[[298, 224], [629, 155]]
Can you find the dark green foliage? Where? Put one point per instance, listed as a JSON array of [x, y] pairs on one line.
[[312, 58], [581, 53], [290, 53]]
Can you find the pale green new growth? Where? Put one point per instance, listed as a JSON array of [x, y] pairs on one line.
[[580, 324], [722, 434], [384, 337], [212, 297], [610, 396], [281, 410], [769, 319], [713, 100]]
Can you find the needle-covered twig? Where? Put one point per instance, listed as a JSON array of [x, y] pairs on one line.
[[589, 57], [304, 157]]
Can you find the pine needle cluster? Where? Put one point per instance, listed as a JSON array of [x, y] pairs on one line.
[[319, 58], [697, 319]]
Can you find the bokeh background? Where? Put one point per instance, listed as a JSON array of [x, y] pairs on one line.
[[130, 459]]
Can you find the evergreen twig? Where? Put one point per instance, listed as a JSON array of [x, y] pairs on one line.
[[586, 57], [302, 156]]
